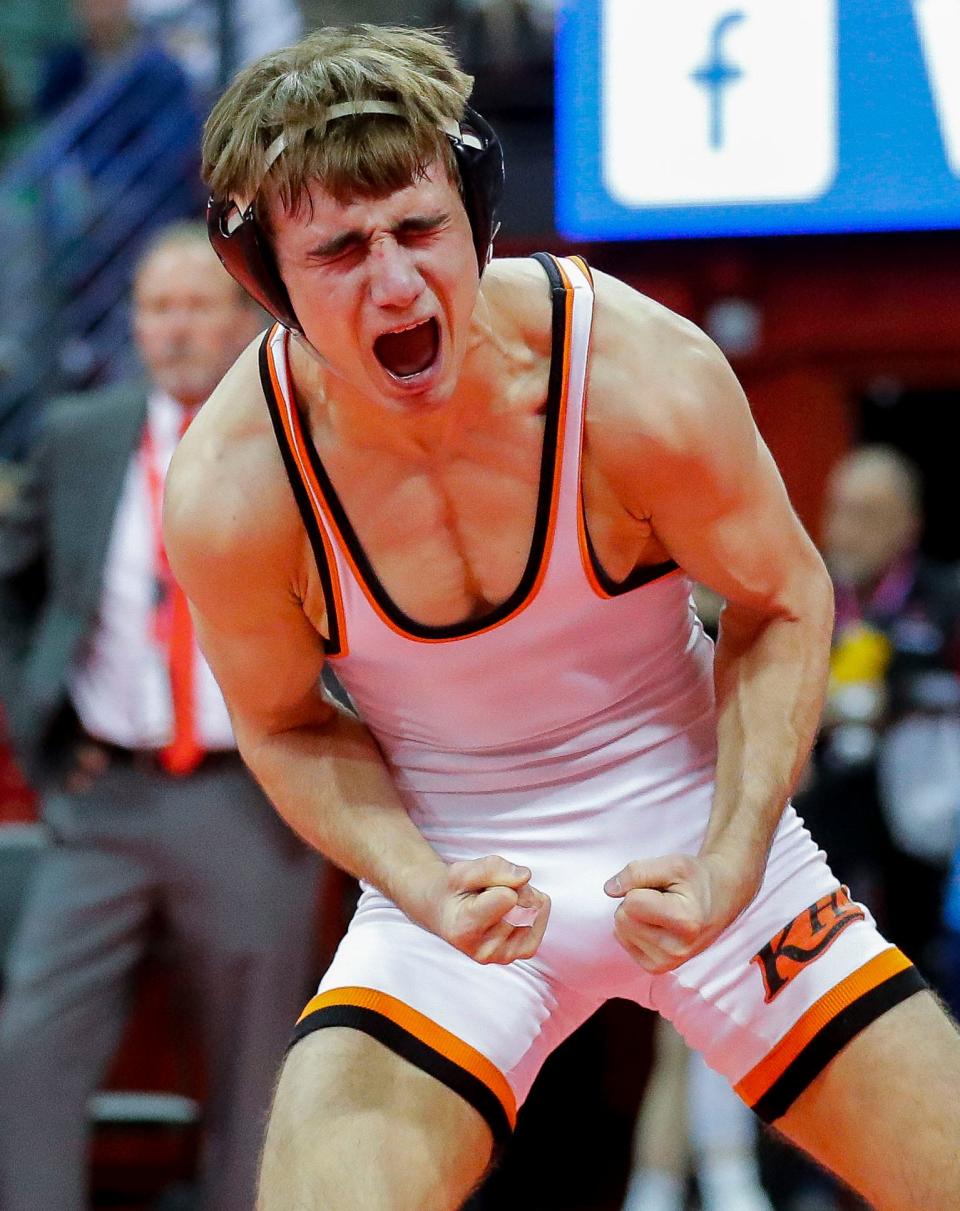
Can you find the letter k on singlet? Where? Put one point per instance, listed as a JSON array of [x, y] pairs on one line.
[[804, 939]]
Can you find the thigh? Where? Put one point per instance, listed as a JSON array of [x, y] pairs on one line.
[[885, 1113], [355, 1127]]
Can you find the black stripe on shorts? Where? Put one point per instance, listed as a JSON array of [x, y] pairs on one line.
[[832, 1038]]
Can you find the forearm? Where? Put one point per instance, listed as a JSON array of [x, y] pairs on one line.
[[770, 676], [330, 783]]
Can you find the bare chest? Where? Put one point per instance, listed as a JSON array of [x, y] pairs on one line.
[[447, 539], [450, 539]]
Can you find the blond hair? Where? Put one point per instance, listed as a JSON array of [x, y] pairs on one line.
[[289, 92]]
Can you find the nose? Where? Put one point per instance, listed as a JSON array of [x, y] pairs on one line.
[[179, 322], [395, 280]]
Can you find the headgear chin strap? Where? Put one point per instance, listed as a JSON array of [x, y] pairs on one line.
[[244, 248]]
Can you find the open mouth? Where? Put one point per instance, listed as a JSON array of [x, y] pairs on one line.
[[409, 351]]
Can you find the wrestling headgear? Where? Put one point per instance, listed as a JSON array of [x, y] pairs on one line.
[[244, 247]]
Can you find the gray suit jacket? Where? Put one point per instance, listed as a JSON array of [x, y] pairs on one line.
[[53, 544]]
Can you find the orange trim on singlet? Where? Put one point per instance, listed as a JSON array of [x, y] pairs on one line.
[[584, 267], [582, 541], [344, 547], [293, 429], [428, 1032], [879, 969]]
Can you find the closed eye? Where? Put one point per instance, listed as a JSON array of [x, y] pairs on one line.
[[417, 229], [346, 249]]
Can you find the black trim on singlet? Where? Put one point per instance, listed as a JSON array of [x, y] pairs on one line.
[[549, 470], [332, 645], [636, 578], [832, 1038], [400, 1041], [639, 576]]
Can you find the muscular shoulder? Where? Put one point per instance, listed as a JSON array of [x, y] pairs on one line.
[[661, 395], [648, 363], [230, 521]]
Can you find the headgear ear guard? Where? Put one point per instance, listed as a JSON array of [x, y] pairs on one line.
[[244, 248]]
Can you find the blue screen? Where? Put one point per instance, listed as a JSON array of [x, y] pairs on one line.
[[684, 118]]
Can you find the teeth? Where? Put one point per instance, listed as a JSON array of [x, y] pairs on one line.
[[405, 327]]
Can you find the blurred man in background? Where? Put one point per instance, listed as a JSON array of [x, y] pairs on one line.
[[105, 32], [885, 793], [157, 833]]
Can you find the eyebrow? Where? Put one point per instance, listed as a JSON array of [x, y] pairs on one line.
[[410, 226]]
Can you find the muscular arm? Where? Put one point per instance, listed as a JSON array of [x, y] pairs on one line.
[[696, 470], [321, 768]]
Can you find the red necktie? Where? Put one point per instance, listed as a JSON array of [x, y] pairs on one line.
[[184, 752]]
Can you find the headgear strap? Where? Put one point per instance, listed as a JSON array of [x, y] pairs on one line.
[[343, 109]]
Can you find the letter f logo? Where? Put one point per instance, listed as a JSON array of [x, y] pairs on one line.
[[716, 74]]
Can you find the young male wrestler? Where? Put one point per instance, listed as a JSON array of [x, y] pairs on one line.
[[474, 497]]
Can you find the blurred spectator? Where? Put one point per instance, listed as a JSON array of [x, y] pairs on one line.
[[211, 40], [505, 34], [159, 839], [105, 33], [120, 160], [885, 793]]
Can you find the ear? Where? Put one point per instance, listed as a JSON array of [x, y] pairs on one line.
[[245, 251]]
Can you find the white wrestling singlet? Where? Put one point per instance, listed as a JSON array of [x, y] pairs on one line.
[[570, 730]]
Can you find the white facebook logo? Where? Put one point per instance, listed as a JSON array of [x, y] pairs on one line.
[[938, 24], [718, 101]]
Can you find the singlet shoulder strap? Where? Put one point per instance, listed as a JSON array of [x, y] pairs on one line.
[[577, 281], [572, 289], [288, 427]]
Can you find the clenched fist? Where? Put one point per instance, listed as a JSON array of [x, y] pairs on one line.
[[673, 907], [476, 905]]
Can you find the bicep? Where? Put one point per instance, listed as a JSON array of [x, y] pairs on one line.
[[239, 568], [251, 626], [719, 506], [740, 537], [267, 663]]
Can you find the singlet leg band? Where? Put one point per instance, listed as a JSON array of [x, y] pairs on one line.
[[772, 1087], [422, 1043]]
